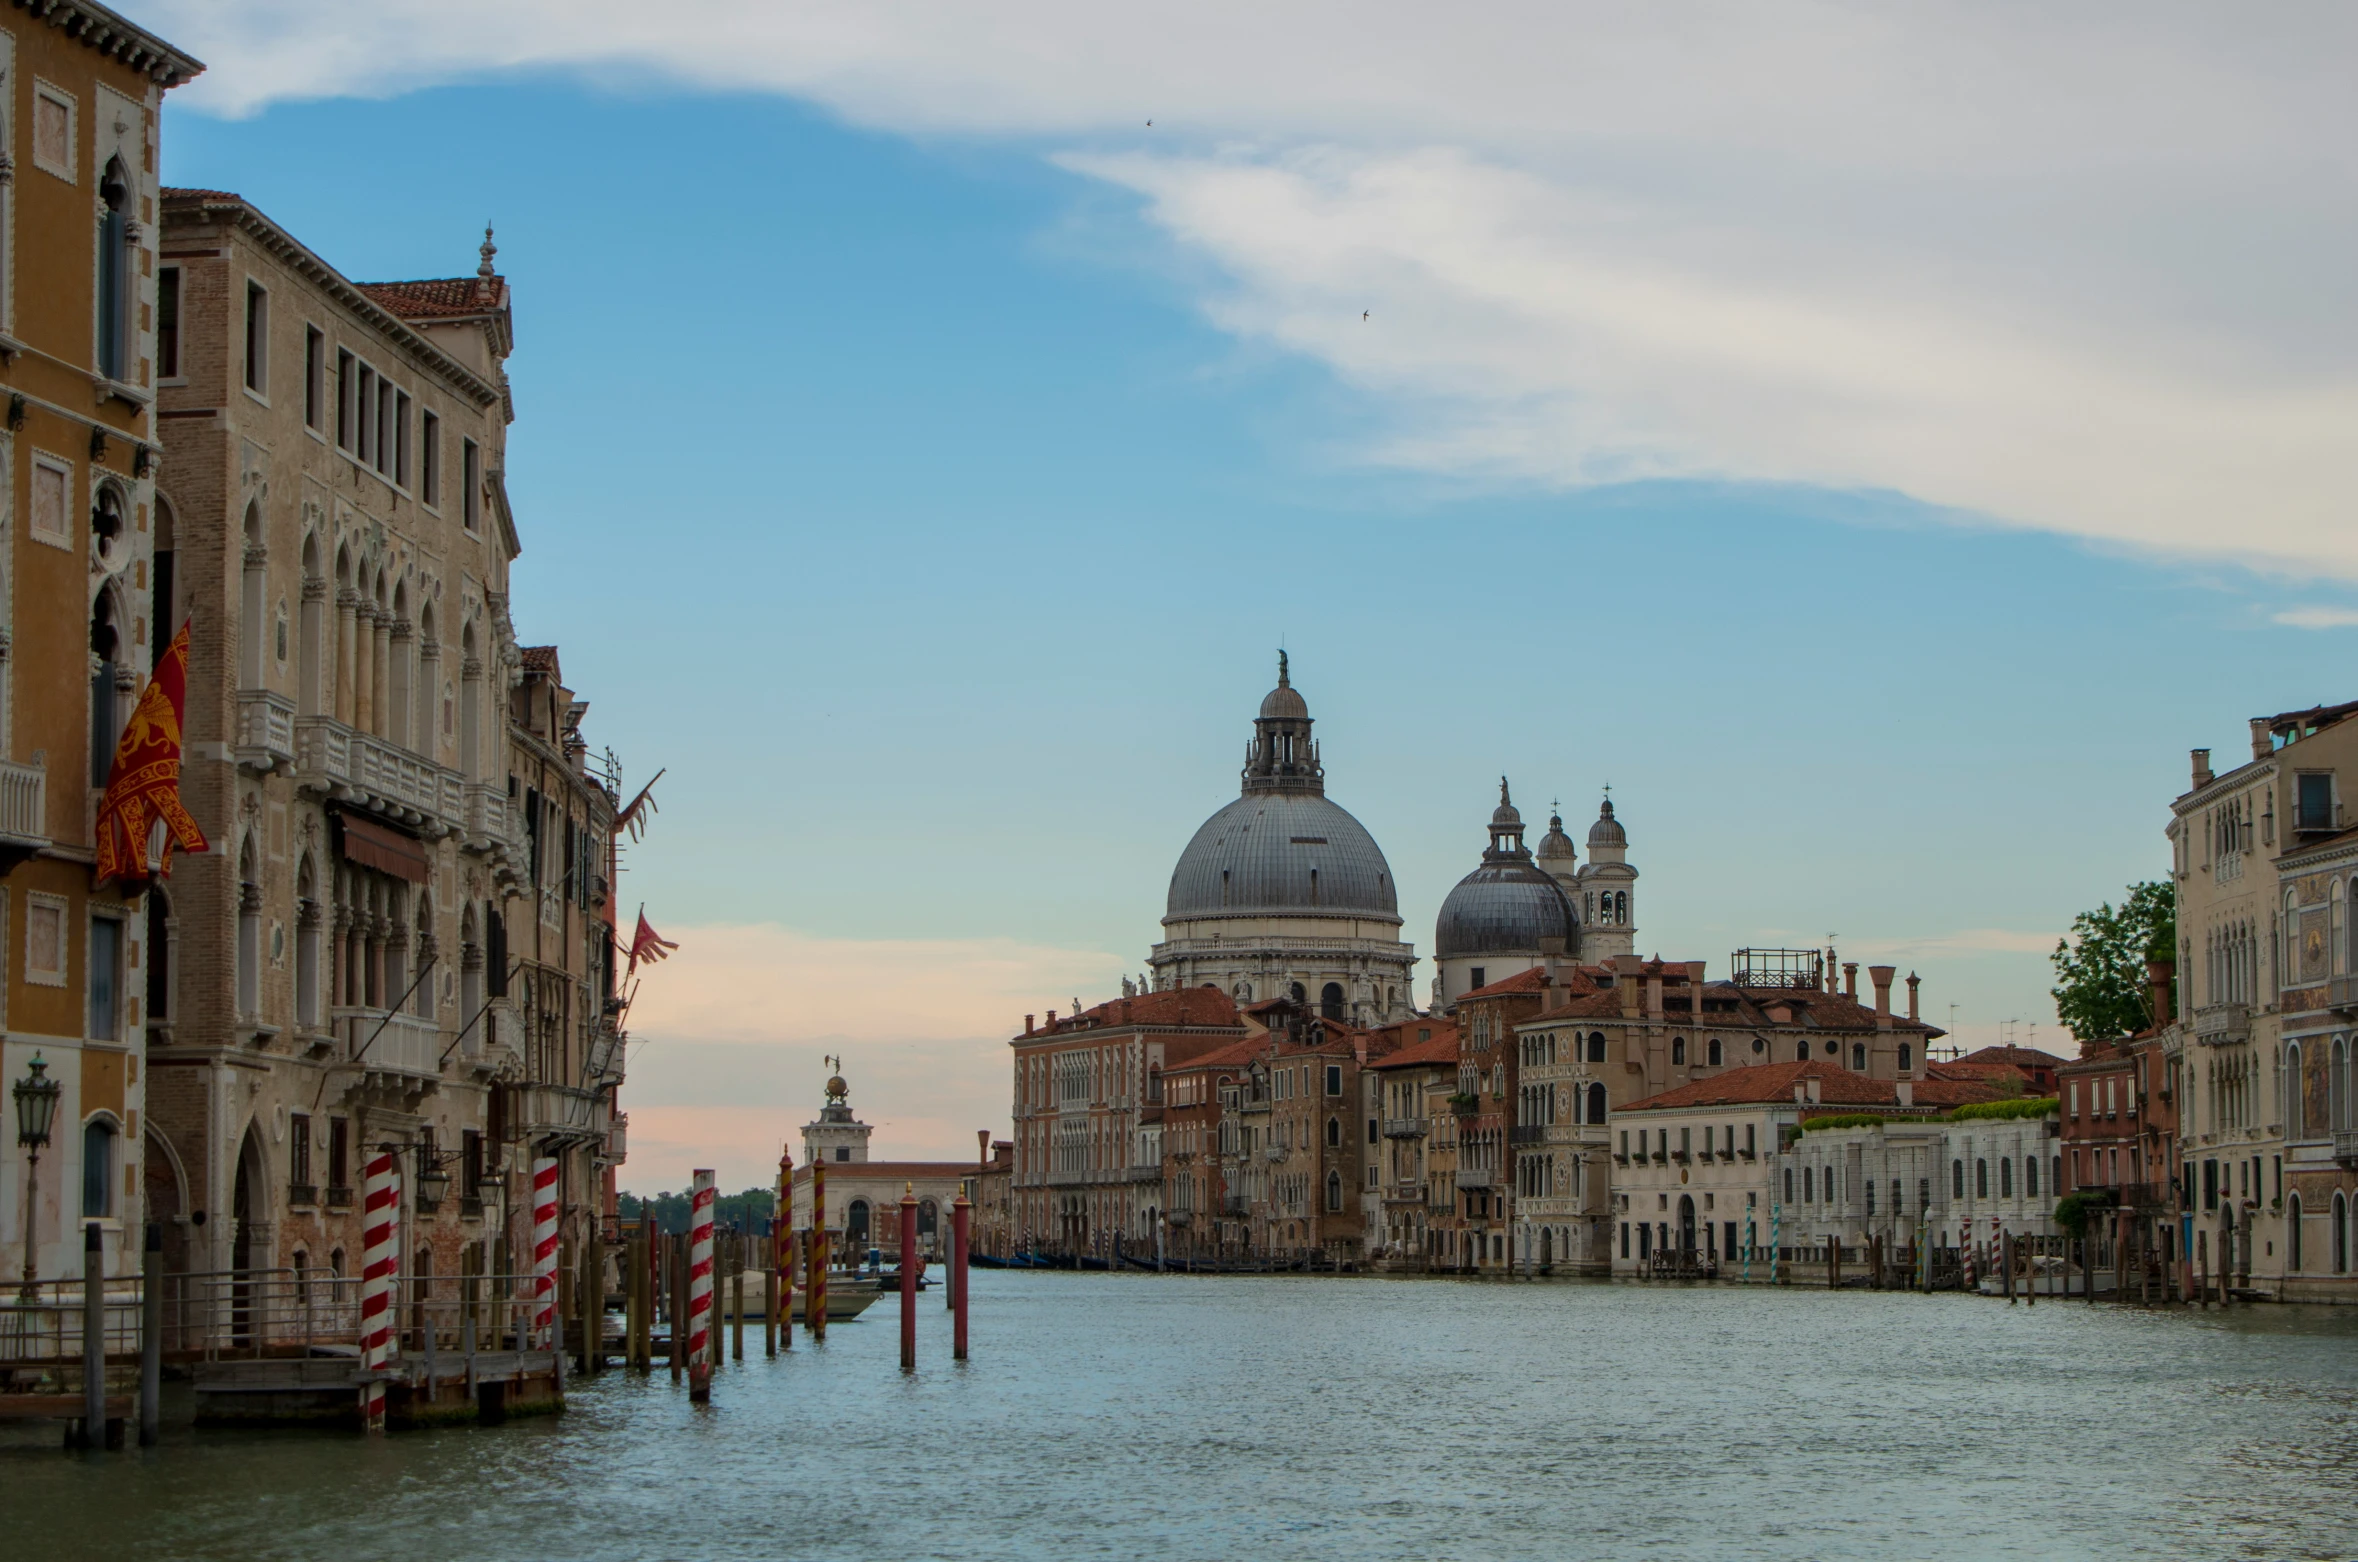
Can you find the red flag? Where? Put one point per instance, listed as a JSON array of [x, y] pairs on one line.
[[144, 785], [646, 944]]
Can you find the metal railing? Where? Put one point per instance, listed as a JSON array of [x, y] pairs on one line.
[[1476, 1177], [1404, 1128]]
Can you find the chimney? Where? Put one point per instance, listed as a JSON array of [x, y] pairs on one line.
[[1811, 1085], [1551, 957], [1850, 978], [2160, 975], [1052, 1019], [982, 1136], [1027, 1025], [1654, 995], [2262, 745], [1881, 976], [1907, 1092], [2202, 767], [1913, 979]]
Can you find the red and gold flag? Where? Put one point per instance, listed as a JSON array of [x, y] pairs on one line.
[[145, 783]]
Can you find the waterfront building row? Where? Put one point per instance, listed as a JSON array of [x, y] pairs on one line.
[[400, 930]]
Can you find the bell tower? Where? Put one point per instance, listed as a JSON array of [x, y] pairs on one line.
[[1283, 757], [837, 1137]]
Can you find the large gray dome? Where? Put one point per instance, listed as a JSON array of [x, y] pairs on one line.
[[1259, 854], [1504, 908]]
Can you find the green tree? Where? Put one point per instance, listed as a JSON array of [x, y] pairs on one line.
[[2101, 990]]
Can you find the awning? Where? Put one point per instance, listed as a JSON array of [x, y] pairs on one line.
[[387, 851]]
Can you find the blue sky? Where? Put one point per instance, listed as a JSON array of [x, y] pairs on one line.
[[932, 501]]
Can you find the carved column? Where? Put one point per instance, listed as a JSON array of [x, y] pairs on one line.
[[380, 671]]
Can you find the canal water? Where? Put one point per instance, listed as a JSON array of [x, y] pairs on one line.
[[1131, 1416]]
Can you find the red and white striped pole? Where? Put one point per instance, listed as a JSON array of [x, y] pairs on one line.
[[380, 1259], [544, 1253], [700, 1288]]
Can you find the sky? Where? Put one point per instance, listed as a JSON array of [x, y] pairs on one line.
[[1878, 446]]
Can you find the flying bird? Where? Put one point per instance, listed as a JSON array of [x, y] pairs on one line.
[[1363, 314]]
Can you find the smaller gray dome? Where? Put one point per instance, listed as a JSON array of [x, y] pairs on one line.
[[1504, 908], [1607, 830], [1285, 702], [1506, 816], [1555, 844]]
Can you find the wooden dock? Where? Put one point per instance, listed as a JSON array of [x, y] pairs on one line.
[[421, 1389]]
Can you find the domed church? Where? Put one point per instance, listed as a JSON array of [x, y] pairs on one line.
[[1518, 906], [1282, 893]]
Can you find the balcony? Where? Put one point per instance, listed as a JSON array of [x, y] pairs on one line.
[[617, 1148], [336, 761], [339, 1197], [265, 730], [24, 806], [1476, 1179], [1404, 1128], [2342, 993], [302, 1195], [1068, 1177], [383, 1043], [491, 823], [1146, 1171], [1527, 1133], [565, 1113], [1233, 1206], [2345, 1147], [2223, 1024]]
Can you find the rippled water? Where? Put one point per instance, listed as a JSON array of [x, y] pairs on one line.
[[1136, 1416]]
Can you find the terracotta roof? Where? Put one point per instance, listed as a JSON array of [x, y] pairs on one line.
[[1531, 980], [1443, 1048], [1236, 1054], [1774, 1082], [1812, 1010], [178, 193], [1171, 1006], [438, 298], [540, 658], [2020, 1057]]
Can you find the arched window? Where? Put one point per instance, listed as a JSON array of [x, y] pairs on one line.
[[1714, 1052], [1297, 992], [116, 268], [251, 633], [855, 1226], [98, 1169], [1808, 1186], [310, 930], [2030, 1176], [1596, 1103], [1981, 1178], [1678, 1051], [1858, 1056], [2341, 1234], [1334, 1191], [1334, 1133], [106, 653], [1330, 1000], [1596, 1046], [312, 683], [249, 935], [1956, 1179], [1801, 1051], [2294, 1108], [2006, 1176], [2292, 1232], [158, 955], [1907, 1057], [421, 950]]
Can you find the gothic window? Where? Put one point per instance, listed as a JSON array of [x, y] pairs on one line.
[[115, 271], [1334, 1133], [106, 650]]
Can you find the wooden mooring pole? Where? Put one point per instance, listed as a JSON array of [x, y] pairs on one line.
[[815, 1309], [700, 1287], [151, 1336], [961, 1234], [910, 1267]]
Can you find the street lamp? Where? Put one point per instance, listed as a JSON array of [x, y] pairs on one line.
[[36, 1109]]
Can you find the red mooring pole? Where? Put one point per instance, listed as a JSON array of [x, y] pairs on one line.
[[960, 1213], [910, 1265]]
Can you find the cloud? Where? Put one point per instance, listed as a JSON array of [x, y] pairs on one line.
[[2319, 617], [2082, 270], [730, 1034]]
